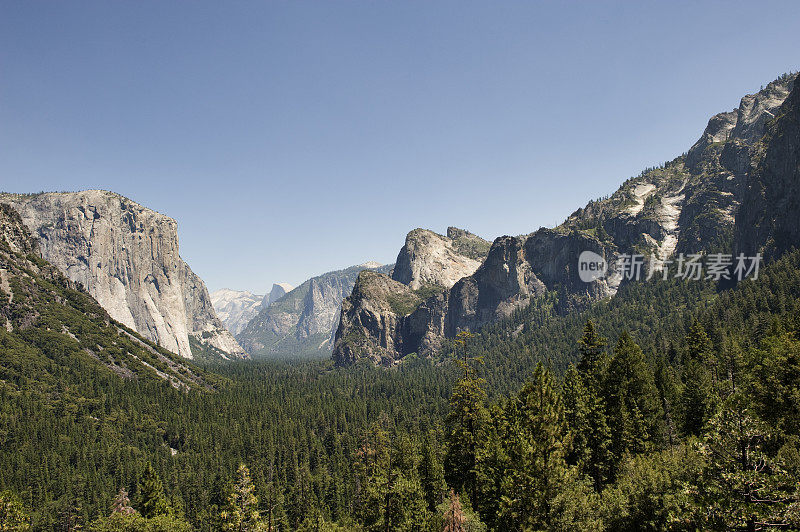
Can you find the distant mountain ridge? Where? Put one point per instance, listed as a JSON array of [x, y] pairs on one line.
[[746, 157], [303, 321], [237, 307], [278, 291]]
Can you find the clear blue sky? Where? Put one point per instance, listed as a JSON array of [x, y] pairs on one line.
[[292, 138]]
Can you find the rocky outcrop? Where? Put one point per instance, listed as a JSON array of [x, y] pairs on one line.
[[747, 123], [126, 256], [302, 322], [377, 304], [236, 307], [13, 233], [428, 258], [688, 205], [386, 318]]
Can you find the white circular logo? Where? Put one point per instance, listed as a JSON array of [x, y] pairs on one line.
[[591, 266]]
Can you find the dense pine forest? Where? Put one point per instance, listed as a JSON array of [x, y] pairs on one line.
[[672, 406]]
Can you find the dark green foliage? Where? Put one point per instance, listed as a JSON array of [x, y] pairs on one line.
[[535, 441], [585, 414], [632, 407], [431, 472], [150, 494], [390, 494], [12, 512], [651, 491], [697, 380], [466, 425], [590, 347], [745, 485]]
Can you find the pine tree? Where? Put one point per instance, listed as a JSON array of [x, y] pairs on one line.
[[466, 422], [492, 466], [595, 434], [122, 504], [536, 446], [390, 494], [242, 513], [667, 385], [576, 414], [431, 473], [217, 503], [745, 486], [372, 465], [632, 399], [585, 415], [591, 347], [697, 380], [151, 494]]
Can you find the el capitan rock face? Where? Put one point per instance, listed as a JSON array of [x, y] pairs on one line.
[[126, 256], [36, 298], [687, 205]]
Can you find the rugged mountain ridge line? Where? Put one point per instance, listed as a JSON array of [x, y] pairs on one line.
[[768, 221], [126, 256], [302, 322], [236, 308], [687, 205]]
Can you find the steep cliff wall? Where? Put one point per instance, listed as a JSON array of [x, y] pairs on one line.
[[385, 318], [428, 258], [126, 256], [49, 326], [769, 219]]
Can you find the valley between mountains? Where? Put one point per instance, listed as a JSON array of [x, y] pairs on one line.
[[470, 385]]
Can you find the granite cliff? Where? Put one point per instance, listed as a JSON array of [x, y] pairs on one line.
[[126, 257], [428, 258], [769, 220], [278, 291], [389, 316], [50, 326]]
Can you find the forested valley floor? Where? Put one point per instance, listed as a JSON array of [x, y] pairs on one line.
[[673, 406]]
